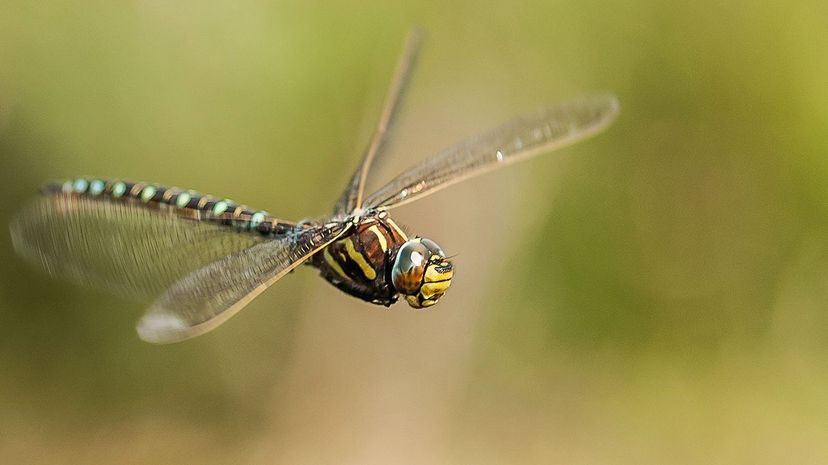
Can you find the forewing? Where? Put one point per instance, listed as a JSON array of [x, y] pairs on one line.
[[119, 246], [353, 195], [545, 130], [208, 296]]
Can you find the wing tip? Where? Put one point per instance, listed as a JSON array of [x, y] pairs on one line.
[[159, 327], [612, 103], [602, 109], [21, 245], [605, 103], [15, 234]]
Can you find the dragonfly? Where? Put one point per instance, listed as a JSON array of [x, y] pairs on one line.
[[201, 258]]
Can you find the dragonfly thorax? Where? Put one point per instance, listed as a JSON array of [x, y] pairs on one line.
[[377, 261]]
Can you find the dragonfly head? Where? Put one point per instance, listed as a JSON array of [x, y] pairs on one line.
[[421, 272]]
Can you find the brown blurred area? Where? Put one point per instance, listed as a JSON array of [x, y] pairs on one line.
[[655, 295]]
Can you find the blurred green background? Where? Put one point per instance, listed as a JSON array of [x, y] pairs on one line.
[[656, 295]]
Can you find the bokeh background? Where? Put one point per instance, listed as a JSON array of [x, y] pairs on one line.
[[655, 295]]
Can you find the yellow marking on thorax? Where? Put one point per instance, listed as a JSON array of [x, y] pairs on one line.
[[357, 257], [380, 237], [397, 228], [333, 264]]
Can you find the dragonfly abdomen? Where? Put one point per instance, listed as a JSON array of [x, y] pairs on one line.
[[185, 203]]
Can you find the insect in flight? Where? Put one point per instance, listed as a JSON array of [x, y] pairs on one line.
[[204, 258]]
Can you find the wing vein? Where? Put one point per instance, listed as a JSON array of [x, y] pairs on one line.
[[546, 130]]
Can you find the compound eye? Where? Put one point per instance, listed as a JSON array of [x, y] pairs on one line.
[[433, 247], [409, 267]]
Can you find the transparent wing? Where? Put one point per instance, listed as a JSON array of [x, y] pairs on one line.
[[119, 246], [353, 195], [547, 129], [209, 296]]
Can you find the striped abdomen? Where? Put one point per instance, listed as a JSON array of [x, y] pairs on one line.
[[187, 204]]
